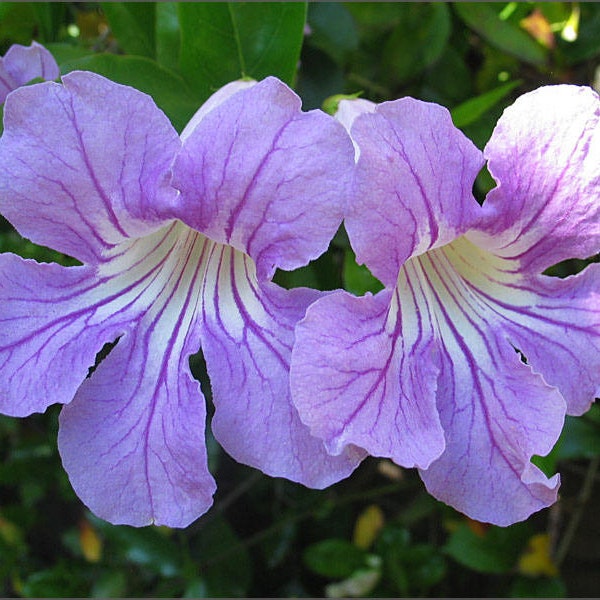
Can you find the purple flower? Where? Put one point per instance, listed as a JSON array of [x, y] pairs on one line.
[[465, 364], [21, 64], [86, 169]]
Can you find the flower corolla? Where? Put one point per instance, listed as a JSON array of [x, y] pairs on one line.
[[178, 239], [466, 363]]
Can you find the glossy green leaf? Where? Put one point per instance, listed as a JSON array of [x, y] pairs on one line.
[[469, 111], [168, 89], [483, 18], [168, 35], [133, 24], [335, 558], [222, 42]]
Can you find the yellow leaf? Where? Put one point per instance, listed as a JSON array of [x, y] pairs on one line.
[[368, 525], [90, 542], [536, 559]]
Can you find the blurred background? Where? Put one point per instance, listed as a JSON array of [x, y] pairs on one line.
[[377, 534]]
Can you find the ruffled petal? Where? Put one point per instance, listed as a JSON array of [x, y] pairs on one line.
[[495, 419], [545, 156], [132, 441], [496, 412], [247, 339], [84, 165], [414, 179], [258, 174], [52, 324], [364, 373]]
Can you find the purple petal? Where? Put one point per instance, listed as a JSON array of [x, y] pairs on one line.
[[21, 64], [496, 412], [84, 165], [545, 156], [414, 180], [555, 323], [132, 441], [51, 327], [495, 417], [364, 372], [258, 174], [247, 338]]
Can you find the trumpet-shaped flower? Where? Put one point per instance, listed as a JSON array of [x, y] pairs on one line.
[[86, 168], [22, 64], [465, 364]]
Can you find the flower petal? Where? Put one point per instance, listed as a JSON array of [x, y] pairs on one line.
[[247, 338], [414, 179], [258, 174], [25, 63], [21, 64], [551, 321], [364, 373], [51, 327], [495, 420], [132, 440], [545, 156], [496, 412], [84, 165]]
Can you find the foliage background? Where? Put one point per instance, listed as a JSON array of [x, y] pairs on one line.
[[378, 533]]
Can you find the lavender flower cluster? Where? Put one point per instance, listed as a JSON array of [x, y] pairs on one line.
[[463, 366]]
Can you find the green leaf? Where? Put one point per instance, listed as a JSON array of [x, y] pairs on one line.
[[474, 108], [483, 18], [358, 279], [418, 40], [228, 575], [132, 23], [496, 551], [337, 559], [168, 89], [168, 35], [19, 22], [222, 42], [332, 29], [150, 547], [580, 438]]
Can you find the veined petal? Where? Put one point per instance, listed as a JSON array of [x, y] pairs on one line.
[[132, 441], [247, 339], [551, 321], [413, 180], [55, 319], [545, 156], [258, 174], [84, 165], [496, 412], [51, 328], [364, 373]]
